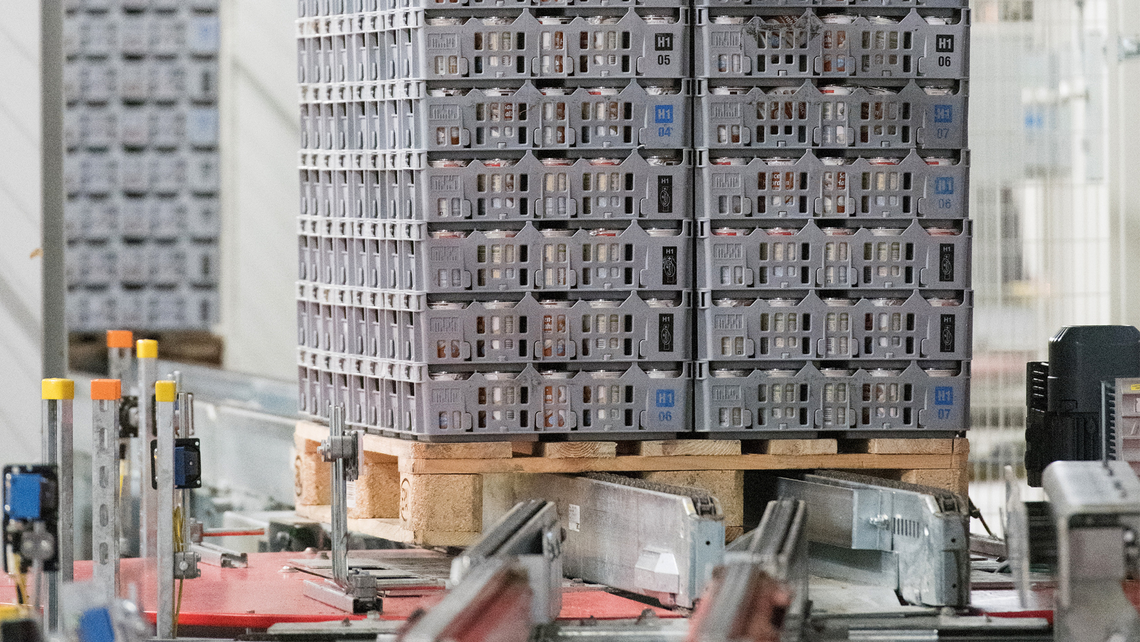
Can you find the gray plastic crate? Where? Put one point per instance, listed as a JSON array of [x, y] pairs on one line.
[[861, 188], [404, 256], [486, 334], [588, 191], [404, 44], [411, 117], [793, 400], [808, 327], [804, 46], [836, 4], [624, 401], [895, 258], [810, 117], [321, 8]]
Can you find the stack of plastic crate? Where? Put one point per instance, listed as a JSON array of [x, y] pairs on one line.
[[142, 164], [833, 242], [496, 231]]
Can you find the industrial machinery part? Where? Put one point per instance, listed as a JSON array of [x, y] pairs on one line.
[[913, 539], [530, 535], [142, 464], [1096, 508], [761, 590], [105, 395], [493, 603], [654, 539], [349, 590], [58, 396], [1063, 396]]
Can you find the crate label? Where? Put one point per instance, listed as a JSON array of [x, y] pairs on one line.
[[574, 517], [442, 41], [663, 114], [946, 333], [664, 194], [728, 251], [447, 396], [663, 42], [726, 393], [664, 398], [726, 111], [447, 183], [943, 113], [725, 180], [944, 185], [444, 112], [728, 322], [943, 396], [944, 43], [350, 493], [945, 262], [669, 265], [449, 325], [726, 39], [665, 332]]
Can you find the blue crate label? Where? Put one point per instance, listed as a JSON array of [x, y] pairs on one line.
[[946, 333], [669, 265], [943, 113], [943, 396], [664, 194], [663, 42], [944, 185], [663, 114], [945, 262], [665, 332], [944, 43], [664, 398]]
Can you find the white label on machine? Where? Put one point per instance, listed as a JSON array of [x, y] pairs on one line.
[[350, 493], [575, 517]]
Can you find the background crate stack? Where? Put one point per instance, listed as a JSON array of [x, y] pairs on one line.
[[142, 164], [833, 252], [496, 233]]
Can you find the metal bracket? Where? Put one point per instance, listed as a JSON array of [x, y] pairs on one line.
[[186, 565]]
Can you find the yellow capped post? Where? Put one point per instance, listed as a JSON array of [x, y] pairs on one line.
[[57, 389], [146, 349], [165, 391]]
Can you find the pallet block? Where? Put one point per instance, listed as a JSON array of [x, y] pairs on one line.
[[436, 494]]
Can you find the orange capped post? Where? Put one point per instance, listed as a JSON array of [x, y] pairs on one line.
[[106, 389], [120, 339]]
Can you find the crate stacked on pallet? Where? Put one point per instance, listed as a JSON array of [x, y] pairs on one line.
[[833, 240], [142, 164], [496, 229]]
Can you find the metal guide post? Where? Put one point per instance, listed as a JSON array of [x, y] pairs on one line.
[[120, 344], [58, 396], [164, 473], [349, 591], [105, 395], [147, 353]]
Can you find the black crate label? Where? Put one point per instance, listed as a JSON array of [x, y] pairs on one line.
[[664, 41], [945, 262], [669, 265], [946, 333], [665, 332], [944, 43], [664, 194]]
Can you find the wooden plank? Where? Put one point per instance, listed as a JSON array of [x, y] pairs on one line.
[[391, 529], [802, 447], [726, 485], [843, 461], [392, 447], [377, 489], [684, 447], [910, 446], [576, 449], [311, 476], [441, 503], [955, 479]]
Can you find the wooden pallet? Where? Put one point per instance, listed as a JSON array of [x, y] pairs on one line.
[[434, 494]]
